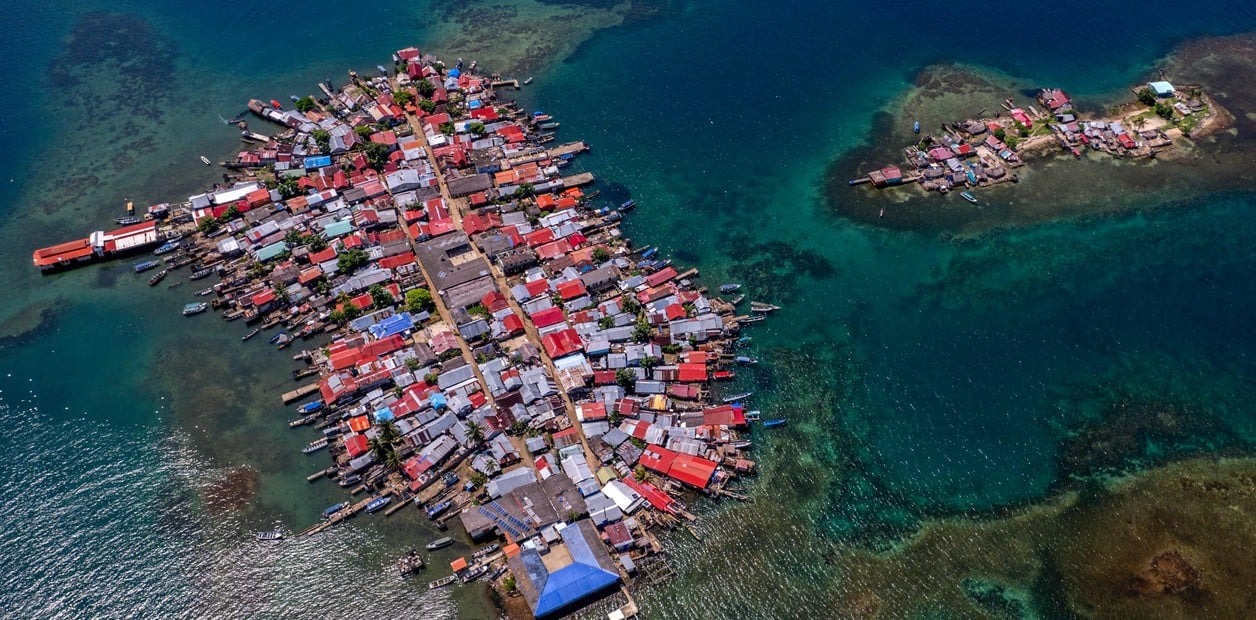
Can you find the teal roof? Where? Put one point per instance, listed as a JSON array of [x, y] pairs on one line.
[[271, 251], [338, 229]]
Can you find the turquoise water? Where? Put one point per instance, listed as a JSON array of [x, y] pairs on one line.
[[924, 376]]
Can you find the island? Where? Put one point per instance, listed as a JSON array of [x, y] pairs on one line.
[[482, 344]]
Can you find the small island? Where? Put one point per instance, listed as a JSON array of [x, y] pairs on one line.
[[984, 151]]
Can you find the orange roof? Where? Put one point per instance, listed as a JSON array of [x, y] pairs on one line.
[[360, 423], [62, 252], [511, 550], [458, 565]]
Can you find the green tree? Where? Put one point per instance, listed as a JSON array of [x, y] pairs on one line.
[[642, 331], [475, 432], [305, 104], [518, 428], [323, 139], [1000, 134], [631, 305], [1012, 141], [671, 348], [606, 322], [380, 296], [208, 225], [364, 131], [413, 364], [418, 300], [1146, 97], [509, 585], [403, 97], [293, 237], [650, 362], [476, 128], [377, 155], [1164, 110], [447, 127], [350, 260], [626, 378], [317, 243], [479, 310], [425, 88], [639, 473], [430, 378], [288, 187], [601, 255], [428, 106]]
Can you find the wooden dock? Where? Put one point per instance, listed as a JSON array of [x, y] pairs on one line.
[[499, 83], [576, 180], [299, 393], [570, 148]]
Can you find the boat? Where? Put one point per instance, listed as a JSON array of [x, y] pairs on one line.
[[205, 291], [274, 103], [485, 552], [204, 160], [310, 407], [284, 340], [315, 446], [195, 308], [350, 480], [916, 127], [753, 415], [542, 118], [774, 423], [527, 81], [201, 273], [274, 339], [333, 509], [127, 221], [143, 266], [549, 126], [254, 136], [474, 573], [751, 319], [746, 361], [382, 70], [736, 397], [176, 284], [378, 503], [294, 98], [729, 288], [158, 277], [435, 511], [167, 248], [723, 375], [628, 205], [275, 534], [761, 306], [744, 340], [738, 299], [442, 582], [741, 444], [969, 197], [439, 543]]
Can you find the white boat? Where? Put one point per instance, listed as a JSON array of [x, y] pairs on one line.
[[440, 543], [195, 308], [736, 397], [315, 446], [204, 160], [442, 582], [527, 81], [275, 534]]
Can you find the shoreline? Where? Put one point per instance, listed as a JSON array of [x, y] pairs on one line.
[[488, 322]]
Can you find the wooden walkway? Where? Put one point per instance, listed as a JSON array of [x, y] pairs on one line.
[[300, 392], [499, 83]]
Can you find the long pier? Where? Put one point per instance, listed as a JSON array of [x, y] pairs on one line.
[[576, 180], [300, 392], [497, 83]]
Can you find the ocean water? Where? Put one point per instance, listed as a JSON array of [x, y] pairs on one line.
[[926, 377]]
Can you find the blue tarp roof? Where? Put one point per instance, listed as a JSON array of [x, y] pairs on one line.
[[318, 161], [438, 401], [475, 104], [455, 72], [384, 414], [394, 324], [571, 584]]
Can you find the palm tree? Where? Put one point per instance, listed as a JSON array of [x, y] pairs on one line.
[[384, 446], [475, 432]]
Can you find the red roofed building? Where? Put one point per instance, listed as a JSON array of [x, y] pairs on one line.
[[724, 415], [656, 458], [660, 276], [357, 445], [591, 412], [537, 287], [571, 289], [539, 237], [513, 325], [692, 372], [652, 494], [692, 470], [562, 343], [547, 317]]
